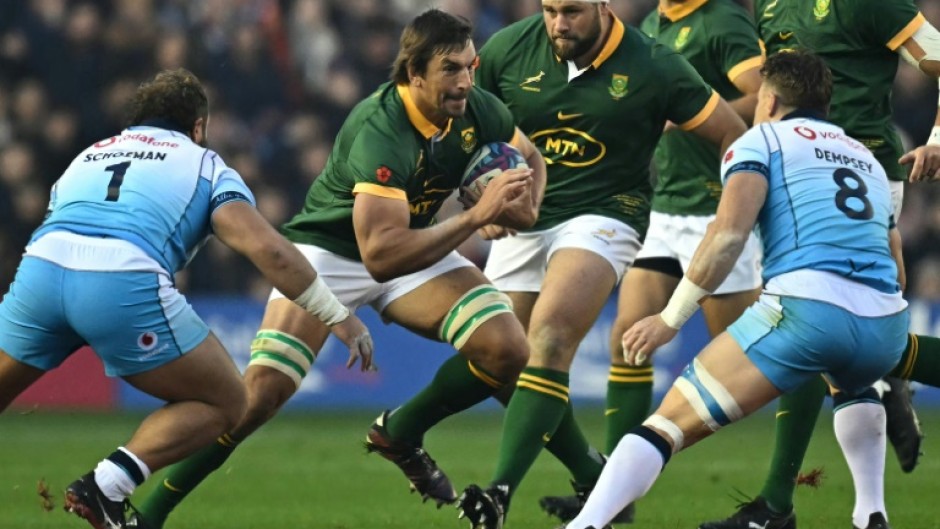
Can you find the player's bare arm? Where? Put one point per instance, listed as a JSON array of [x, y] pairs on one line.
[[922, 50], [722, 127], [748, 83], [714, 258], [535, 161], [390, 248], [242, 228]]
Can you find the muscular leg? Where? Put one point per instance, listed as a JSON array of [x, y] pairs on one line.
[[796, 413], [267, 390], [204, 395], [490, 359], [643, 292], [576, 286], [638, 460], [15, 377]]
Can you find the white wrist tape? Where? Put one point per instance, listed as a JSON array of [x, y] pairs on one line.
[[934, 138], [320, 301], [683, 303]]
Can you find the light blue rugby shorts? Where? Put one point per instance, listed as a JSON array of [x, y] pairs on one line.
[[792, 340], [132, 321]]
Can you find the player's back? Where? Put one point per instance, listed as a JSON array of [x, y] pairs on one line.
[[150, 186], [828, 205]]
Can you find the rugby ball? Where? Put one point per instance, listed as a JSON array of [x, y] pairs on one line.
[[487, 163]]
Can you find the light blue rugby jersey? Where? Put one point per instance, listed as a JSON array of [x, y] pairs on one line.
[[150, 186], [828, 204]]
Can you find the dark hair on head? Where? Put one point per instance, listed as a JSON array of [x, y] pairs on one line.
[[800, 78], [431, 33], [174, 96]]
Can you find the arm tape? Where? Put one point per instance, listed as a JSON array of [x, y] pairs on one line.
[[320, 301], [683, 303], [928, 39]]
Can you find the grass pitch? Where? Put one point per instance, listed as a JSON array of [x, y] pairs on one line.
[[310, 471]]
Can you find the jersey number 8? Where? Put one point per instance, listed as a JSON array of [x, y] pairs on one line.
[[858, 192]]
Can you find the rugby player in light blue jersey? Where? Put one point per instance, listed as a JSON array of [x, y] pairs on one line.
[[831, 303], [129, 212]]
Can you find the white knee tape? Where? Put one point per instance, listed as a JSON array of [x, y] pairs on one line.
[[473, 309], [669, 428]]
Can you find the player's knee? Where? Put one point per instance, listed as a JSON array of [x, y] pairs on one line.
[[553, 345], [710, 400], [504, 356]]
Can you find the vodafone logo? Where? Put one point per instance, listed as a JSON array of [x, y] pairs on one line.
[[147, 341], [806, 132], [729, 156], [135, 136], [105, 143]]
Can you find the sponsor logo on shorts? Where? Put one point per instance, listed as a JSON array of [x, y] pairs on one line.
[[148, 341], [604, 235]]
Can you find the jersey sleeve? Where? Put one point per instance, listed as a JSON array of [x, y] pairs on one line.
[[378, 164], [734, 43], [889, 22], [227, 184], [690, 100], [749, 153]]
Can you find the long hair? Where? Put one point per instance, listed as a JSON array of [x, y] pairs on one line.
[[431, 33]]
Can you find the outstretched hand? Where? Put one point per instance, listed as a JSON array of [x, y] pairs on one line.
[[355, 335], [924, 162], [644, 337]]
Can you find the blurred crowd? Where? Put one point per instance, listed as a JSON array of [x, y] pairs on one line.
[[282, 76]]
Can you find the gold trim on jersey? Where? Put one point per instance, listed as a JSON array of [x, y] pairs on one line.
[[380, 191], [745, 65], [516, 140], [678, 12], [704, 114], [907, 32], [424, 126], [616, 36]]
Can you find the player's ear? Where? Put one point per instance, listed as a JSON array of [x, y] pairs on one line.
[[198, 134], [413, 76], [773, 104]]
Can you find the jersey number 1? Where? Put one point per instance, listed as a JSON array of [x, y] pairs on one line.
[[117, 178]]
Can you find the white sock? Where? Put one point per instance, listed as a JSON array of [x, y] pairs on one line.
[[629, 473], [860, 429], [115, 483]]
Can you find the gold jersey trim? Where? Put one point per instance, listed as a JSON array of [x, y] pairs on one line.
[[743, 66], [681, 11], [907, 32], [424, 126], [380, 191], [516, 140], [616, 37], [704, 114]]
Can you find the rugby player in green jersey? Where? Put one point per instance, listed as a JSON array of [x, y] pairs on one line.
[[719, 40], [594, 96], [860, 42], [368, 225]]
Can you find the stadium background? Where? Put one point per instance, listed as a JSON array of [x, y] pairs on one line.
[[282, 77]]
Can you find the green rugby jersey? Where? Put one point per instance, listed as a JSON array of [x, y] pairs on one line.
[[719, 40], [858, 39], [388, 148], [597, 132]]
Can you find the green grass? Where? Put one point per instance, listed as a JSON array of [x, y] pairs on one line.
[[310, 471]]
